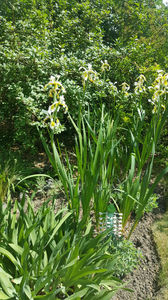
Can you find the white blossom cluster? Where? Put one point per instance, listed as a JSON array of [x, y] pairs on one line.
[[160, 89], [55, 90]]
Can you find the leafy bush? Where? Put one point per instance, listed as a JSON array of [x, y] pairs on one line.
[[127, 257], [48, 38]]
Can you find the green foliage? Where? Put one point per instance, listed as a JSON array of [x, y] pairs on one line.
[[160, 233], [127, 257], [40, 39], [94, 168], [8, 177], [152, 203], [42, 256], [110, 158], [98, 48]]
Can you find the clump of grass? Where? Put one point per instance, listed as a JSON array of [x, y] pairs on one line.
[[7, 178], [160, 232]]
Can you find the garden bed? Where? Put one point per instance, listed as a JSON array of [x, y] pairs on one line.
[[144, 279]]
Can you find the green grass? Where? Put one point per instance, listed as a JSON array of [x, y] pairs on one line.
[[160, 232]]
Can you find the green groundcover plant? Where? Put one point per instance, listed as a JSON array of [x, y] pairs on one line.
[[43, 257], [127, 257]]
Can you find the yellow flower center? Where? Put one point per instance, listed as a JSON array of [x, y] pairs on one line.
[[52, 123]]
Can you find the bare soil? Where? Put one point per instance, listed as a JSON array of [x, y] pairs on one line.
[[144, 279]]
